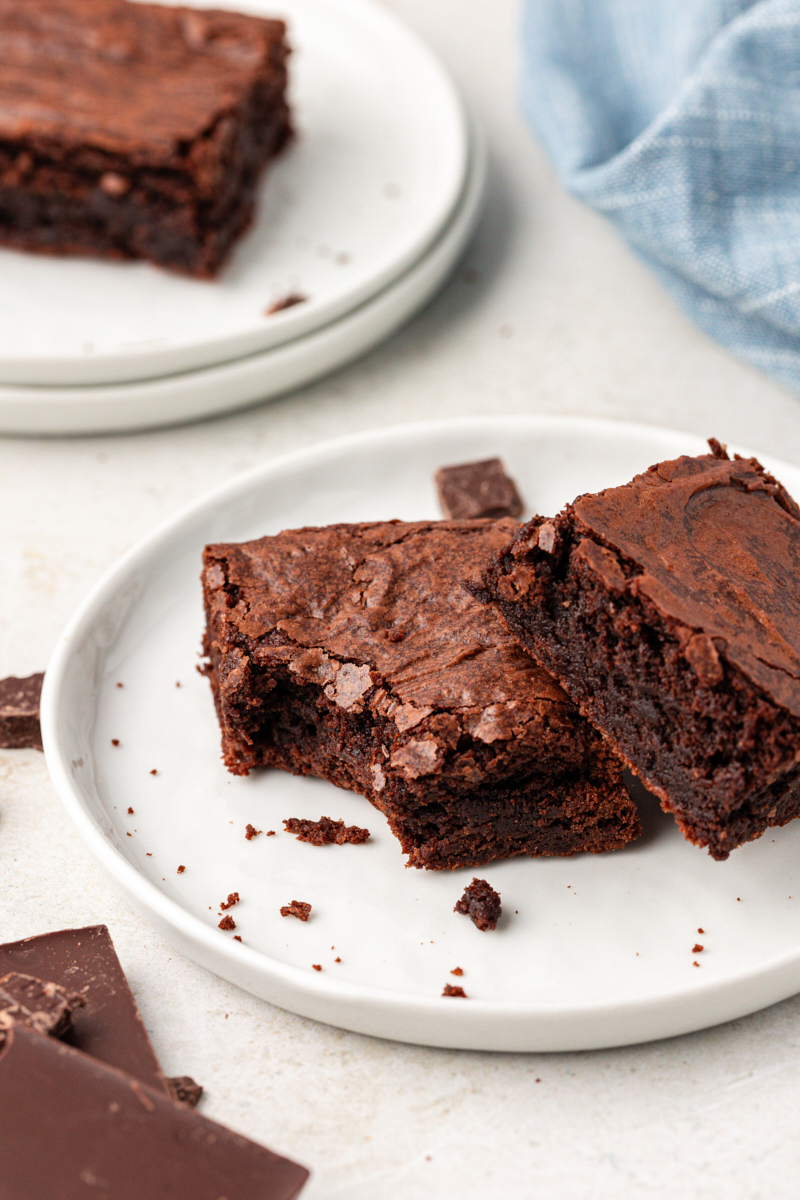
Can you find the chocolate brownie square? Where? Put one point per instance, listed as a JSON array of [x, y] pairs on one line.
[[669, 609], [135, 130], [354, 653]]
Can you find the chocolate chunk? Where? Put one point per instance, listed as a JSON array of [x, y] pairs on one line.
[[481, 904], [19, 713], [477, 489], [325, 832], [40, 1006], [185, 1090], [78, 1129], [109, 1026], [297, 908]]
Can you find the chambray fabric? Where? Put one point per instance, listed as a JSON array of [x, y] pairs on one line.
[[680, 121]]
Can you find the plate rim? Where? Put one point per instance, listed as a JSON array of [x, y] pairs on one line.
[[363, 1007], [81, 370]]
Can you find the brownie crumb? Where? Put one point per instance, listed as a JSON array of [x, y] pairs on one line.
[[326, 832], [695, 964], [297, 908], [185, 1090], [317, 966], [154, 771], [181, 869], [120, 685], [285, 302], [250, 832], [115, 741], [451, 989], [456, 971], [337, 959], [130, 811], [481, 903], [233, 898], [697, 948], [270, 833], [227, 923], [701, 931], [236, 937]]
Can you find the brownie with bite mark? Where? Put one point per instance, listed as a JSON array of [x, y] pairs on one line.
[[354, 653], [136, 130], [669, 609]]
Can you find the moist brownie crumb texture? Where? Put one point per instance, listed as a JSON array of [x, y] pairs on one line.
[[354, 653], [481, 903], [135, 130], [670, 610], [326, 832]]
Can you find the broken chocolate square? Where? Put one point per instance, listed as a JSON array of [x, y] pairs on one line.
[[19, 713], [477, 489], [43, 1007]]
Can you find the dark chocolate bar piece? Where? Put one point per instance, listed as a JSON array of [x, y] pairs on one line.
[[477, 489], [109, 1026], [19, 713], [36, 1004], [135, 130], [185, 1090], [76, 1129]]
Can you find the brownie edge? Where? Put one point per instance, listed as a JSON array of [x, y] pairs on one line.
[[669, 610]]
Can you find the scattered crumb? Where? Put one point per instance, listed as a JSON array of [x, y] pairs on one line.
[[185, 1090], [129, 835], [456, 971], [130, 811], [695, 964], [236, 937], [154, 771], [227, 923], [297, 908], [454, 990], [177, 683], [317, 966], [701, 930], [250, 832], [233, 898], [120, 685], [285, 302], [325, 832], [181, 869], [537, 1080], [270, 833], [149, 854], [337, 960], [115, 741], [481, 903], [738, 897], [697, 948]]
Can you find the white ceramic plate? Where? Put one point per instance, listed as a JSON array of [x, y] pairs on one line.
[[258, 377], [367, 186], [591, 951]]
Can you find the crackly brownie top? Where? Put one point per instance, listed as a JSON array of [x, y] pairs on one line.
[[715, 544], [379, 611], [122, 77]]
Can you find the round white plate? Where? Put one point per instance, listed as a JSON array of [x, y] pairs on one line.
[[367, 186], [591, 951], [258, 377]]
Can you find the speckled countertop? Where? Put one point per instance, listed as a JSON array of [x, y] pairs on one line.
[[554, 315]]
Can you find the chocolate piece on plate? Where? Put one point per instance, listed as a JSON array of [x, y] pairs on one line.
[[19, 713], [354, 653], [481, 903], [35, 1003], [80, 1130], [185, 1090], [669, 609], [109, 1026], [136, 130], [477, 489]]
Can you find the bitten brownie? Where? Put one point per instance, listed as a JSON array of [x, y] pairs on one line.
[[354, 653], [670, 610], [135, 130]]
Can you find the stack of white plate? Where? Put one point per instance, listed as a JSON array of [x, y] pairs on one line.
[[364, 216]]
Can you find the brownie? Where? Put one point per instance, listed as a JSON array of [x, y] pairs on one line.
[[481, 903], [354, 653], [669, 609], [135, 130], [19, 712]]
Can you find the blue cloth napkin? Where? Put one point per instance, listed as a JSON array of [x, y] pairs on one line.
[[680, 121]]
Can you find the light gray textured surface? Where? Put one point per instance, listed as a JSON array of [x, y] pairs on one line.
[[550, 314]]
